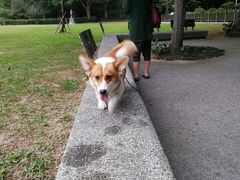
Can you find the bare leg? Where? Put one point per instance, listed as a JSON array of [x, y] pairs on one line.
[[146, 67], [136, 69]]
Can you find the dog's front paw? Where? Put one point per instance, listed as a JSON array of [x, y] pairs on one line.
[[102, 104]]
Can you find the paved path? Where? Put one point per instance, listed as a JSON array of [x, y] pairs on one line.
[[195, 108]]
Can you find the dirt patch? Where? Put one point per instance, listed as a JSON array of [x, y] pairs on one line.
[[69, 74]]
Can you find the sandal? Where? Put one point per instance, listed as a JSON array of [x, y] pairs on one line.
[[146, 76]]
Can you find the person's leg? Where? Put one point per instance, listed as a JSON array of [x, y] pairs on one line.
[[136, 61], [146, 67], [136, 69], [147, 58]]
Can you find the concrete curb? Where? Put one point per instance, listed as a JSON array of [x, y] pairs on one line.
[[165, 36], [123, 145]]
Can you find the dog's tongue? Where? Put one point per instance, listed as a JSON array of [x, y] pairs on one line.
[[104, 97]]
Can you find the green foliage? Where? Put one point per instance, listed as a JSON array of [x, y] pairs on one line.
[[221, 10], [237, 6], [18, 9], [166, 6], [212, 10], [228, 5], [4, 12], [37, 10], [192, 4], [199, 10], [159, 48], [85, 19], [231, 29]]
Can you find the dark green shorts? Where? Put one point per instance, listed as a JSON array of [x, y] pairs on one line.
[[144, 47]]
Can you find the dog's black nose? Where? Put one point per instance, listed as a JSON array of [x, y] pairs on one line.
[[103, 91]]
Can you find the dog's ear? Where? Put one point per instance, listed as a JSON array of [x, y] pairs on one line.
[[121, 63], [87, 63]]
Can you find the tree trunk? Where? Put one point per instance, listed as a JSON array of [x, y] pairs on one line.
[[87, 6], [63, 28], [238, 17], [105, 10], [167, 8], [88, 11], [178, 27]]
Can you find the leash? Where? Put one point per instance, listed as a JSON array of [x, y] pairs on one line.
[[138, 90]]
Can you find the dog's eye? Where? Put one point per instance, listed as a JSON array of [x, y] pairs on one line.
[[108, 77], [97, 77]]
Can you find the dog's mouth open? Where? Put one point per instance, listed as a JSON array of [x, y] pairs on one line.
[[104, 97]]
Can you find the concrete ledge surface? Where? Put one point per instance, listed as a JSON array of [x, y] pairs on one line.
[[123, 145]]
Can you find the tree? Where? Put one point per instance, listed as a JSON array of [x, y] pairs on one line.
[[228, 5], [192, 4], [87, 6], [178, 27], [18, 9], [4, 12], [63, 28], [166, 6], [38, 9], [106, 8]]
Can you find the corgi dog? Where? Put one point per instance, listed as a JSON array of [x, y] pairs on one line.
[[106, 74]]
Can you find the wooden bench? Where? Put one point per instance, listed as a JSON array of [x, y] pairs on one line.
[[187, 23], [88, 43]]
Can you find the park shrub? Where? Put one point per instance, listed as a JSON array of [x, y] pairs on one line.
[[231, 29], [85, 19], [49, 21], [161, 51], [199, 10], [43, 21]]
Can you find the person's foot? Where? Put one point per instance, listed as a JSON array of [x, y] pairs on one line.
[[136, 79], [146, 76]]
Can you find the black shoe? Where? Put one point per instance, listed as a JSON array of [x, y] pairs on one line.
[[136, 79], [146, 76]]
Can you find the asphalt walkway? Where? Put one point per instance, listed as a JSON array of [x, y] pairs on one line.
[[195, 108]]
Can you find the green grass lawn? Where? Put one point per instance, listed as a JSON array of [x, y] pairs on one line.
[[41, 85]]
